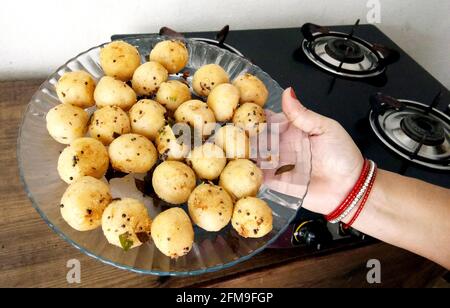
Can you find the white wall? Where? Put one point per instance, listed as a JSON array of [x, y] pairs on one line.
[[37, 36]]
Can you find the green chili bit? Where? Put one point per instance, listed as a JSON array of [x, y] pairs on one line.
[[125, 242]]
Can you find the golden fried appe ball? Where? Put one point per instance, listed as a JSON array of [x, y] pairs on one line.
[[172, 93], [132, 153], [172, 232], [76, 88], [65, 123], [172, 54], [251, 89], [83, 157], [109, 123], [251, 118], [207, 78], [223, 100], [112, 92], [168, 146], [173, 181], [210, 207], [207, 160], [241, 178], [83, 203], [126, 223], [148, 77], [234, 141], [147, 118], [252, 217], [119, 60], [196, 114]]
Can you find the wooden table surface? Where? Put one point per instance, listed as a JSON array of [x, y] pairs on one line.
[[32, 255]]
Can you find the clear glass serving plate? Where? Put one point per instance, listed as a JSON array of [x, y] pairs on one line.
[[38, 154]]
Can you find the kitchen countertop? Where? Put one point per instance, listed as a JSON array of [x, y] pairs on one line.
[[32, 255]]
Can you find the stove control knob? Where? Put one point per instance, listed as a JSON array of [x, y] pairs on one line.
[[313, 233], [350, 232]]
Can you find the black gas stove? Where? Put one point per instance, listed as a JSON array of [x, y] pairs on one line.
[[396, 112]]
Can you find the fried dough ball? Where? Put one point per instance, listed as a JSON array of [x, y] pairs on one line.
[[234, 141], [241, 178], [223, 100], [252, 217], [76, 88], [172, 232], [207, 78], [126, 223], [132, 153], [251, 118], [112, 92], [207, 160], [108, 123], [83, 203], [147, 118], [148, 77], [173, 181], [197, 114], [172, 54], [169, 147], [251, 89], [210, 207], [83, 157], [172, 93], [119, 60], [65, 123]]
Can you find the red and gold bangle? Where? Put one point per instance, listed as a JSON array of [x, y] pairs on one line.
[[358, 196], [351, 196], [363, 202]]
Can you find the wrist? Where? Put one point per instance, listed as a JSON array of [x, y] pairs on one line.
[[375, 198], [326, 191]]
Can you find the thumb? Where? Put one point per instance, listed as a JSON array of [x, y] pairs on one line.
[[306, 120]]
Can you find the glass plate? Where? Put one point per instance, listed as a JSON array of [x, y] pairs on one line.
[[38, 154]]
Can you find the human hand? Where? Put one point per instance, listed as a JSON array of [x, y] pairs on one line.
[[336, 160]]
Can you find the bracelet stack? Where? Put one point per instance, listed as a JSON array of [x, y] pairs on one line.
[[360, 192]]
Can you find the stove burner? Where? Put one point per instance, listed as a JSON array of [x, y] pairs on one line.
[[417, 132], [358, 60], [423, 129], [344, 50], [345, 54], [218, 44], [219, 41]]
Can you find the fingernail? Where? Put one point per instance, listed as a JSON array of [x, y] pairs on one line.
[[292, 92]]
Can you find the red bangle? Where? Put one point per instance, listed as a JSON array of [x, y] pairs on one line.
[[338, 211], [363, 201], [351, 196]]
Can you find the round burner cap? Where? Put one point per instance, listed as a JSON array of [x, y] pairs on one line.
[[423, 129], [344, 50]]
